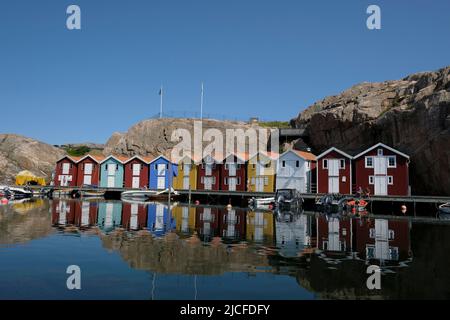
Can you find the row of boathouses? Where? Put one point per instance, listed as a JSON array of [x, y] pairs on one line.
[[379, 170]]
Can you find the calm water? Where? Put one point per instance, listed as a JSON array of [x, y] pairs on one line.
[[153, 251]]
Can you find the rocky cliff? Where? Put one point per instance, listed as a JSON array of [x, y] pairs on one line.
[[19, 153], [153, 136], [412, 115]]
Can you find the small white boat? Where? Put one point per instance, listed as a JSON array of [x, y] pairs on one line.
[[16, 193], [260, 202], [444, 208], [149, 194]]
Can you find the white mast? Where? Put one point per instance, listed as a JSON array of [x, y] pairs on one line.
[[161, 102], [201, 104]]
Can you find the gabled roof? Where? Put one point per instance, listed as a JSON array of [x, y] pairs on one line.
[[305, 155], [270, 155], [243, 156], [191, 157], [97, 159], [161, 156], [146, 160], [71, 158], [308, 156], [336, 150], [383, 146], [217, 156], [120, 159]]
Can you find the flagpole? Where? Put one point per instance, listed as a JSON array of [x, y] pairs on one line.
[[161, 102], [201, 104]]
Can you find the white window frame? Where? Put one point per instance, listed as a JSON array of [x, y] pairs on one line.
[[371, 180], [342, 161], [283, 163], [395, 162], [380, 152], [225, 181], [325, 161], [266, 180], [366, 164]]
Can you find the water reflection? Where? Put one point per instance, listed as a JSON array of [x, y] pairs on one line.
[[326, 254]]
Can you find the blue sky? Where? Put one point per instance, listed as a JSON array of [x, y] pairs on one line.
[[266, 58]]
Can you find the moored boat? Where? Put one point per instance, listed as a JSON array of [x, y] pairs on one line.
[[444, 210], [288, 198], [144, 195]]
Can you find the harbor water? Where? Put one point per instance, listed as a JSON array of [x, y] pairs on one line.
[[137, 250]]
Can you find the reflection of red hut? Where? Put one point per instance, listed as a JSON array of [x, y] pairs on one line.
[[207, 222], [85, 213], [134, 216], [232, 223], [334, 234], [382, 239], [63, 212]]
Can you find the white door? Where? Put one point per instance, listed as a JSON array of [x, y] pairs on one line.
[[135, 182], [64, 181], [232, 184], [111, 169], [259, 181], [333, 184], [111, 181], [232, 169], [208, 169], [66, 167], [381, 185], [208, 183], [88, 168], [161, 183], [87, 179], [136, 169], [333, 167], [161, 168], [186, 183], [186, 169], [380, 165]]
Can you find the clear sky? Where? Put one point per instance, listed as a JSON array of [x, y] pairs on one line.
[[266, 58]]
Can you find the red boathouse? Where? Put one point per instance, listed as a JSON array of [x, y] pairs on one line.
[[334, 172], [208, 177], [88, 169], [383, 171], [136, 171], [233, 173], [66, 172]]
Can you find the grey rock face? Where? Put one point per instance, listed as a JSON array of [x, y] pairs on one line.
[[412, 115], [19, 153], [153, 137]]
